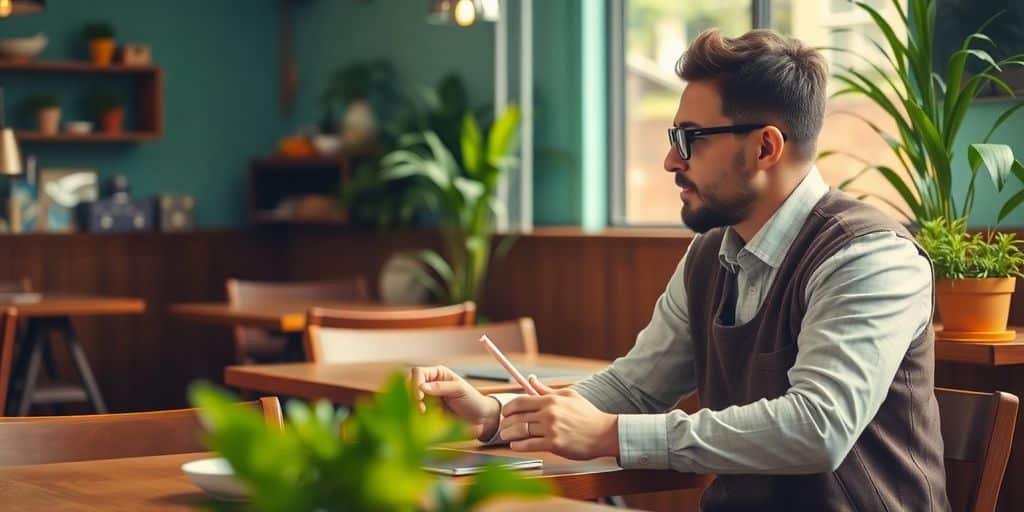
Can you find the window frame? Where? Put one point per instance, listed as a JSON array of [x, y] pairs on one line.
[[760, 13]]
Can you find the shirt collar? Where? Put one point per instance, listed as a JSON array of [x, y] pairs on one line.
[[772, 241]]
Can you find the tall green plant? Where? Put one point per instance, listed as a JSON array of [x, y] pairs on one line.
[[326, 461], [463, 193], [929, 107]]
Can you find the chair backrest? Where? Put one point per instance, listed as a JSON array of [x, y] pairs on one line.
[[256, 345], [47, 439], [443, 316], [977, 431], [8, 334], [21, 285], [336, 345]]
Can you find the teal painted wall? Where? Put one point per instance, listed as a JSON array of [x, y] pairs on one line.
[[978, 122], [220, 94], [332, 33], [220, 62]]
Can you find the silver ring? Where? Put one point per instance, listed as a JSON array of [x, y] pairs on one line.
[[528, 434]]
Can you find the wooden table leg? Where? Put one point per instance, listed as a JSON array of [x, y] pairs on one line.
[[82, 364]]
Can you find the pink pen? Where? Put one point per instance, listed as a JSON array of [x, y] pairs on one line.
[[493, 349]]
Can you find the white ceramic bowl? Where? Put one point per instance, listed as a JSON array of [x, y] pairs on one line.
[[78, 127], [22, 48], [216, 478]]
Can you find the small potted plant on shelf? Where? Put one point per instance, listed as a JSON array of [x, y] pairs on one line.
[[109, 109], [46, 108], [975, 276], [100, 37]]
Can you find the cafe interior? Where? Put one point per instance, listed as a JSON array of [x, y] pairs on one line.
[[230, 229]]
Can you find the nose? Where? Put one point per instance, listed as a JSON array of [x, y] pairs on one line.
[[673, 163]]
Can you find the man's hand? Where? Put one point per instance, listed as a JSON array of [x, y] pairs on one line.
[[561, 422], [459, 397]]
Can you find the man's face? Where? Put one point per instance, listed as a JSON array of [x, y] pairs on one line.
[[716, 182]]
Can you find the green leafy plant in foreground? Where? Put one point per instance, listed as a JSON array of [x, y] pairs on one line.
[[326, 460], [959, 255]]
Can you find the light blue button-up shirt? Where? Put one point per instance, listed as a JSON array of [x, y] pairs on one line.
[[866, 303]]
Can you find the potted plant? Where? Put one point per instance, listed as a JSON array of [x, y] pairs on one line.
[[46, 108], [463, 194], [109, 108], [976, 275], [327, 460], [928, 106], [100, 37]]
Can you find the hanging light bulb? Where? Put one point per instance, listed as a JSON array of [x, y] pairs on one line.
[[5, 8], [465, 13]]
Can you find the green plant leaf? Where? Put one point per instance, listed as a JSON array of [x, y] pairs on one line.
[[472, 150], [503, 135], [1010, 205], [998, 159], [1002, 119]]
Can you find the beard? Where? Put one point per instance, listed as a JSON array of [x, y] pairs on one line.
[[717, 210]]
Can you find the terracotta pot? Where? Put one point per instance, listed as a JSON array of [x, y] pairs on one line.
[[102, 51], [48, 120], [112, 120], [974, 305]]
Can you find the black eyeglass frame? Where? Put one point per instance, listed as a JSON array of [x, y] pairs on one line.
[[688, 135]]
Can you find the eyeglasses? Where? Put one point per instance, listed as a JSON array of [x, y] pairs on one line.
[[681, 138]]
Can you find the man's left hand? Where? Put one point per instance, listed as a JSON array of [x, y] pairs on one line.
[[559, 421]]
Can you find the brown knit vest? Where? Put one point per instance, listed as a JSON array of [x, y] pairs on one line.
[[896, 464]]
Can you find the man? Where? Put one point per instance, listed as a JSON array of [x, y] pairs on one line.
[[801, 316]]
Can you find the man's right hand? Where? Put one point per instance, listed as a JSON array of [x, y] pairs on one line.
[[459, 397]]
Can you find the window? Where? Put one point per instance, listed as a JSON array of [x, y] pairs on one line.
[[656, 32]]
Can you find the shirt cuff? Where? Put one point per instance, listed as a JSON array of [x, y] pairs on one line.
[[643, 441], [502, 398]]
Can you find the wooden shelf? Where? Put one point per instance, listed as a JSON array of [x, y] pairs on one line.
[[73, 66], [147, 104], [987, 354], [269, 218], [87, 137], [284, 162]]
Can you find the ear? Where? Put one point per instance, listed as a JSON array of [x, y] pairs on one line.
[[770, 145]]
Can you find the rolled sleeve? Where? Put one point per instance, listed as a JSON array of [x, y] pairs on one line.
[[643, 441]]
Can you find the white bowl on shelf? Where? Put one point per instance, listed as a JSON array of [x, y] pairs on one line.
[[216, 478], [22, 48], [78, 127]]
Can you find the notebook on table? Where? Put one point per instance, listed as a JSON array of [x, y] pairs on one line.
[[449, 461], [494, 371]]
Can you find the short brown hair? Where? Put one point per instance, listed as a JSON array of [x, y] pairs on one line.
[[763, 77]]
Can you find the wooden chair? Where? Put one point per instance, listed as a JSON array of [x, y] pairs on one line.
[[443, 316], [977, 430], [253, 345], [47, 439], [336, 345]]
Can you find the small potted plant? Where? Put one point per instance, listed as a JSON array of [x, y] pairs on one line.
[[975, 276], [100, 37], [109, 109], [46, 108]]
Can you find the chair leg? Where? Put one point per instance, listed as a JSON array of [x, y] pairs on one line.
[[614, 501]]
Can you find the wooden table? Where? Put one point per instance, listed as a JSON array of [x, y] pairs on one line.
[[286, 317], [988, 354], [343, 383], [51, 313], [157, 483]]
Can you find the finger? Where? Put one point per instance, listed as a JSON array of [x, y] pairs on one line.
[[516, 419], [533, 444], [523, 404], [541, 388], [443, 388], [523, 430], [416, 378]]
